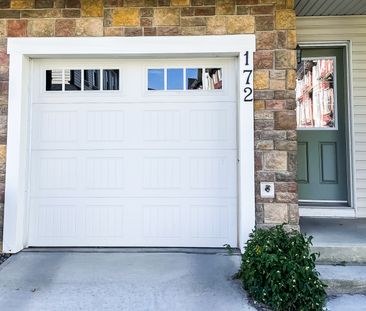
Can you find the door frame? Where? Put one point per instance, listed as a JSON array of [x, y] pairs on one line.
[[23, 50], [351, 210]]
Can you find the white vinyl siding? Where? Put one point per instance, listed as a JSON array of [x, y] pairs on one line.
[[353, 29]]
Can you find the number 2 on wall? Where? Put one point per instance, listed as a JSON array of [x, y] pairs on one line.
[[247, 73]]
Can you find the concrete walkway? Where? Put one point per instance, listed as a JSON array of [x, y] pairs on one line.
[[120, 281]]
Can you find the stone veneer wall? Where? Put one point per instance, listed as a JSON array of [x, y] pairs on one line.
[[273, 22]]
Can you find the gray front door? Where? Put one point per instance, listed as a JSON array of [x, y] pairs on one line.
[[321, 119]]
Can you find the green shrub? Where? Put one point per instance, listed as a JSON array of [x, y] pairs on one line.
[[278, 270]]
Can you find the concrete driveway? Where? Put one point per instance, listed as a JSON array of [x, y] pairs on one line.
[[120, 281]]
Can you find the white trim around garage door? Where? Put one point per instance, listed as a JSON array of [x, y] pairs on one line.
[[22, 50]]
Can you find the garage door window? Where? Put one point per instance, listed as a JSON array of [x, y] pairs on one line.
[[82, 80], [72, 80], [54, 80], [161, 79]]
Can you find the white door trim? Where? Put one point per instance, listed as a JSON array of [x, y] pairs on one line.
[[22, 50]]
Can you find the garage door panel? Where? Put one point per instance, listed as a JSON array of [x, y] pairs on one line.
[[136, 222], [126, 126], [127, 173], [134, 167]]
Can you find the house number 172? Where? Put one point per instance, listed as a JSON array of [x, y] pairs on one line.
[[247, 73]]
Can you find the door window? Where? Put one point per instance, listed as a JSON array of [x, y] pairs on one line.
[[315, 94]]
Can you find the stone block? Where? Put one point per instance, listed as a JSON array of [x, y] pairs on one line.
[[168, 31], [292, 187], [133, 32], [277, 84], [187, 11], [72, 4], [264, 23], [275, 213], [285, 59], [91, 8], [277, 74], [92, 27], [292, 161], [262, 10], [166, 17], [287, 94], [242, 10], [149, 31], [4, 72], [216, 25], [125, 17], [4, 4], [65, 28], [281, 39], [290, 4], [4, 87], [264, 145], [285, 176], [146, 21], [193, 31], [291, 79], [293, 214], [9, 14], [265, 40], [22, 4], [291, 39], [285, 19], [113, 31], [71, 13], [263, 59], [204, 11], [147, 12], [259, 105], [3, 28], [148, 3], [192, 21], [259, 214], [41, 13], [263, 115], [286, 145], [131, 3], [2, 154], [179, 2], [277, 135], [261, 125], [163, 2], [240, 24], [41, 4], [292, 135], [285, 120], [225, 7], [275, 104], [261, 79], [263, 94], [275, 160], [59, 4], [17, 28], [41, 28], [264, 176], [247, 2]]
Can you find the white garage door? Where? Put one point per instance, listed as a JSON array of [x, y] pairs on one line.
[[133, 153]]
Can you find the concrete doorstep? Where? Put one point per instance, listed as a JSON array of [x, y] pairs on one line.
[[343, 279]]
